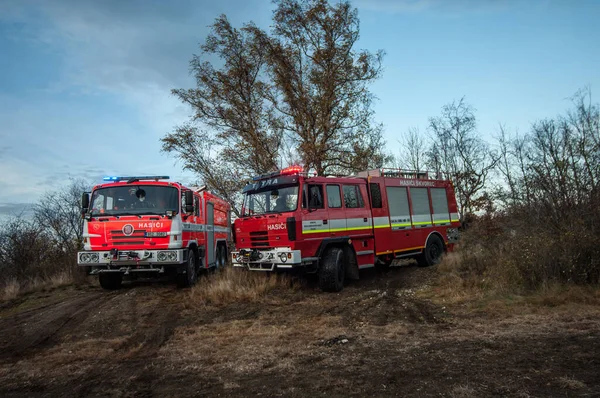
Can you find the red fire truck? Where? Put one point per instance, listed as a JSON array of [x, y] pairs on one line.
[[143, 225], [335, 226]]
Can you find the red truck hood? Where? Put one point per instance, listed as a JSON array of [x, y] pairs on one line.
[[127, 232], [262, 231]]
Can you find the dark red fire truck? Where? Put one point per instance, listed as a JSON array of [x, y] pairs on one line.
[[335, 226]]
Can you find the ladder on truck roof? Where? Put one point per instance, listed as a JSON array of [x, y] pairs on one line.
[[398, 173]]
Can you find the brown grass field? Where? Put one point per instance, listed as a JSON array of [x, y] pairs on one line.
[[405, 332]]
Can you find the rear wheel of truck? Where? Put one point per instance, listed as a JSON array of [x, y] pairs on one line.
[[221, 256], [332, 272], [191, 271], [432, 254], [110, 281], [225, 259]]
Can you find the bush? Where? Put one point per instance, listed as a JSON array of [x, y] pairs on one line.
[[520, 250]]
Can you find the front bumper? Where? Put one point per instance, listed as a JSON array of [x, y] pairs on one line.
[[128, 258], [267, 260]]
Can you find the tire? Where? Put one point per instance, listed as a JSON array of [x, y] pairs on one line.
[[191, 271], [221, 257], [433, 252], [110, 281], [332, 272], [225, 257]]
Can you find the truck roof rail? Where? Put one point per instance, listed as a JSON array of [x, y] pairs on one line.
[[392, 172]]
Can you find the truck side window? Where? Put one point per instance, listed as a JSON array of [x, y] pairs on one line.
[[376, 202], [315, 197], [352, 199], [334, 198]]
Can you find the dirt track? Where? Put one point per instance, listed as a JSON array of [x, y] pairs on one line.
[[376, 338]]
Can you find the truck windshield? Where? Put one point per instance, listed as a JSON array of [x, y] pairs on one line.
[[277, 199], [134, 200]]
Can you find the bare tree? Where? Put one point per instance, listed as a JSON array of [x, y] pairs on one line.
[[234, 132], [321, 84], [413, 150], [299, 92], [459, 153], [59, 213]]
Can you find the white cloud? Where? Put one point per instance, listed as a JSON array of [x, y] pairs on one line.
[[132, 53]]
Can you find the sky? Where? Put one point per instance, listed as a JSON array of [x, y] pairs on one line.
[[85, 85]]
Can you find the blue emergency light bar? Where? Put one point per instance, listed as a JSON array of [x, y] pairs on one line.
[[134, 178]]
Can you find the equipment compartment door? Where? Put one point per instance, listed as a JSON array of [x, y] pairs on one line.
[[210, 233]]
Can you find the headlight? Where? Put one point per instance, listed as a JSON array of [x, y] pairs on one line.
[[94, 257], [84, 257], [161, 256], [283, 257], [172, 256]]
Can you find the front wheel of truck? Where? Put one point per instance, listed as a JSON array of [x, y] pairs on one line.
[[110, 281], [191, 271], [332, 271]]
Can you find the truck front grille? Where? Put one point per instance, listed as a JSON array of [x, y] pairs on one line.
[[259, 239]]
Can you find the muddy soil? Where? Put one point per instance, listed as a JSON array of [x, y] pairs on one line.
[[378, 337]]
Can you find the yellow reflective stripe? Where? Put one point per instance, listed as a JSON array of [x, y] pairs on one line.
[[382, 226], [401, 225], [422, 223], [336, 230], [441, 221], [455, 220], [358, 228], [315, 231]]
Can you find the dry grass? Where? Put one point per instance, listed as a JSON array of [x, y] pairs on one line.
[[571, 383], [490, 281], [463, 391], [12, 289], [238, 285]]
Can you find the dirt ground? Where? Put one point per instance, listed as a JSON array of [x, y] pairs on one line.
[[378, 337]]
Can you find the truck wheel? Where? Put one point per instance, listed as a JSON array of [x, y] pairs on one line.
[[110, 281], [433, 252], [225, 259], [221, 257], [332, 271], [191, 271]]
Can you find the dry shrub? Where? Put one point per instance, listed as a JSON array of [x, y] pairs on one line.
[[239, 285], [502, 254]]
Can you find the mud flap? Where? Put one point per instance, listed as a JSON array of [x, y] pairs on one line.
[[351, 264]]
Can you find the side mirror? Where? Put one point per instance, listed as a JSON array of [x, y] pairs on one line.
[[85, 202], [189, 202]]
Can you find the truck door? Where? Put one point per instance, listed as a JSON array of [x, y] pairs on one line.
[[358, 217], [210, 233], [359, 225], [335, 210], [315, 220], [381, 216]]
